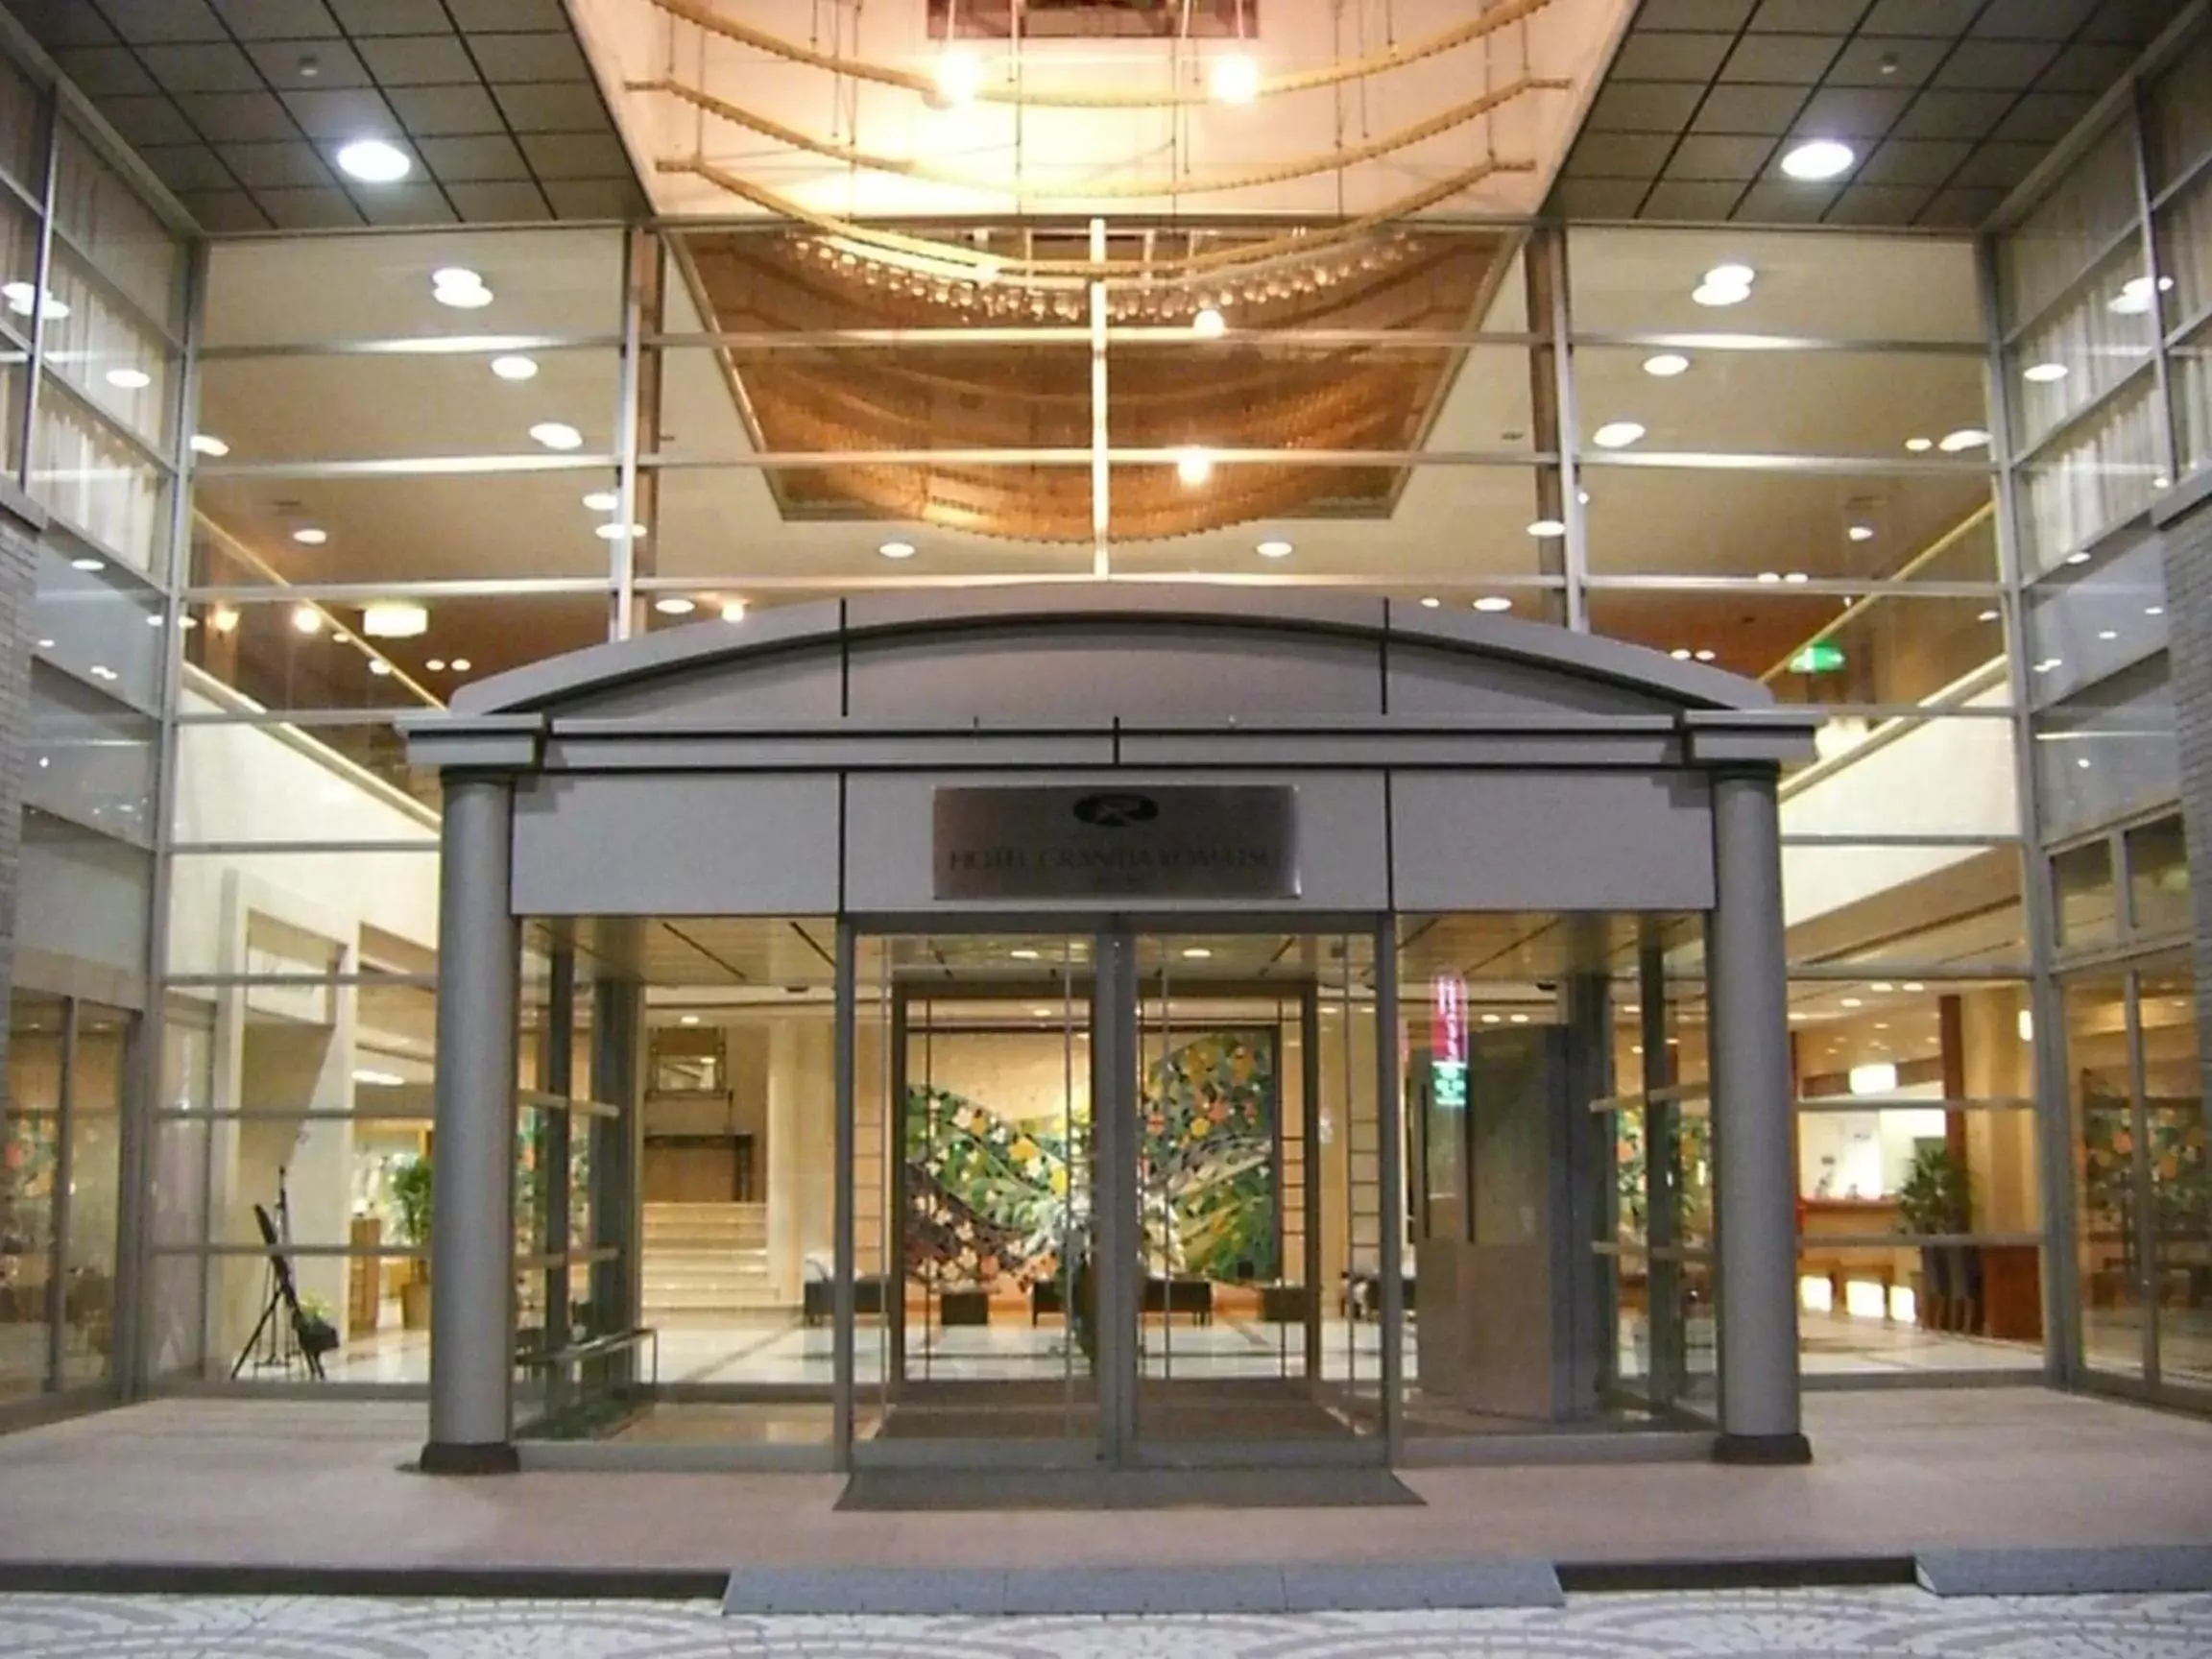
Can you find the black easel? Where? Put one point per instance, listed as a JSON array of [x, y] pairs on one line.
[[279, 1336]]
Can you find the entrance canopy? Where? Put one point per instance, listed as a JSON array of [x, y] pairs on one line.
[[789, 764]]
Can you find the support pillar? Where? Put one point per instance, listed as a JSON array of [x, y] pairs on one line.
[[1755, 1226], [472, 1191]]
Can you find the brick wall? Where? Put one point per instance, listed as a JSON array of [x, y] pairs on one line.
[[2189, 619], [20, 522]]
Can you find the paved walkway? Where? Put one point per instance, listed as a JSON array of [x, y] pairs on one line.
[[1802, 1624], [241, 1482]]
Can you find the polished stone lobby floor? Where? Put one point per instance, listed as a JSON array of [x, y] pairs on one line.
[[1803, 1624]]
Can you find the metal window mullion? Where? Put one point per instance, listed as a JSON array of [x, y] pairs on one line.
[[41, 266], [2070, 289], [2061, 1278], [622, 552], [417, 345], [2162, 426], [114, 292], [1390, 1172], [2191, 173], [58, 1210], [2139, 1180], [151, 453], [1570, 439]]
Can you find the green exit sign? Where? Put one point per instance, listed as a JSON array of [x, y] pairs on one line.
[[1821, 657], [1450, 1078]]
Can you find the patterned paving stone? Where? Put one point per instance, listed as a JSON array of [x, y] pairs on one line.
[[1872, 1624]]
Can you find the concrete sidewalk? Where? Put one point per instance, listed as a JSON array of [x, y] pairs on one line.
[[246, 1483]]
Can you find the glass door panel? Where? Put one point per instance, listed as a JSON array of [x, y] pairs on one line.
[[971, 1251]]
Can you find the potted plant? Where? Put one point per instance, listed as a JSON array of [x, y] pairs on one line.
[[411, 1191], [1936, 1198]]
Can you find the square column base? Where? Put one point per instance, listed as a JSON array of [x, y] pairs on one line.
[[457, 1457], [1762, 1448]]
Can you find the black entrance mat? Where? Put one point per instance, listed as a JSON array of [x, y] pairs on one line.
[[925, 1490]]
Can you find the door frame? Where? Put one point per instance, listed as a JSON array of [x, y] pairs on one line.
[[1115, 1081]]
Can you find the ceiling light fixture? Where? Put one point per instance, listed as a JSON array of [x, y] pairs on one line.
[[687, 1020], [1209, 324], [394, 619], [1707, 655], [603, 501], [1819, 160], [1964, 438], [461, 665], [959, 77], [2043, 374], [1770, 575], [1234, 79], [1196, 953], [2136, 293], [1666, 364], [87, 564], [379, 668], [1493, 603], [1024, 954], [435, 664], [515, 368], [1616, 434], [1274, 549], [1986, 616], [1795, 576], [2107, 632], [675, 604], [613, 532], [306, 619], [557, 435], [1430, 602], [1681, 654], [1193, 466], [130, 379], [733, 610], [206, 443], [2154, 609], [1724, 285], [2077, 557], [1920, 445], [373, 161], [21, 300], [458, 286], [310, 536], [1860, 532], [897, 549], [1545, 528], [223, 619]]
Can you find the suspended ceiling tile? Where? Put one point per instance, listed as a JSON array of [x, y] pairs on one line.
[[154, 119], [1671, 57], [1766, 110], [2033, 19], [2086, 67], [1717, 16], [309, 209], [1922, 161], [500, 204], [576, 155], [60, 23], [308, 64], [445, 111], [239, 117], [507, 14], [189, 167], [1709, 157], [342, 113], [560, 107], [221, 211], [361, 17], [1937, 114], [144, 22], [591, 198], [490, 158], [1619, 156], [1600, 198], [1787, 60], [202, 66], [1852, 112], [1960, 208], [2007, 65], [1785, 202], [1947, 18], [1799, 18], [1879, 203], [408, 203], [419, 59], [539, 57], [277, 19], [2002, 165], [2136, 22], [2044, 117], [1642, 106], [107, 71], [1691, 202], [1887, 61], [277, 166]]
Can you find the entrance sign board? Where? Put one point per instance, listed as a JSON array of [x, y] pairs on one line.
[[1170, 841]]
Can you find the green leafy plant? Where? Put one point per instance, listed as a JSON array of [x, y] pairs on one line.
[[411, 1191], [1936, 1197]]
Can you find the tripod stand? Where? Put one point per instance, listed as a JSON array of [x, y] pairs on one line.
[[278, 1338]]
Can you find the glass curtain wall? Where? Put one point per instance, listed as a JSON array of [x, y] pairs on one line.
[[94, 309], [2100, 295]]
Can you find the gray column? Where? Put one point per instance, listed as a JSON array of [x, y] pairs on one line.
[[20, 522], [473, 1192], [1755, 1226]]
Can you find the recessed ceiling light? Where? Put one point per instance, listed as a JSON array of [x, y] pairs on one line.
[[1920, 445], [603, 501], [675, 604], [1234, 79], [130, 379], [2077, 557], [557, 435], [1274, 549], [1986, 616], [515, 368], [1707, 655], [306, 619], [1915, 985], [87, 564], [223, 619], [1731, 275], [687, 1020], [394, 619], [1860, 532], [1431, 603], [733, 610], [461, 665], [959, 77], [2107, 632], [1681, 653], [435, 664], [897, 549], [1854, 1002], [310, 536], [379, 668], [459, 287], [1024, 954], [1493, 603], [2154, 609], [1666, 364], [45, 644], [613, 532], [456, 277], [1819, 159], [1520, 1019], [373, 161], [2043, 374], [20, 298], [1707, 293], [1040, 1012], [1196, 953], [1770, 575], [2135, 294], [1965, 438], [1193, 466], [206, 443], [1795, 576], [1616, 434], [1209, 324], [1547, 528]]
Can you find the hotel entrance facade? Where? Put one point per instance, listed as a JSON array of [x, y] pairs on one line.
[[1216, 1063]]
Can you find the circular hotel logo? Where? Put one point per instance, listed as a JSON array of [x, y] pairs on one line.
[[1117, 812]]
